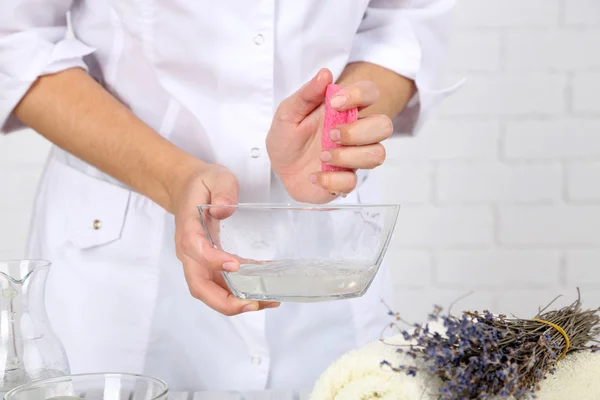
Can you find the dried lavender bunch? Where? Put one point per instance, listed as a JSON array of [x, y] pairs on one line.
[[484, 355]]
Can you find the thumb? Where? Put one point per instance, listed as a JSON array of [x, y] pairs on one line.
[[310, 96], [224, 190]]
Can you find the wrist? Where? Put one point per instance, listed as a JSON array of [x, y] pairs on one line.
[[178, 178], [395, 90]]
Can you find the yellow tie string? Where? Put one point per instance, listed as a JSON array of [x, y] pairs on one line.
[[562, 332]]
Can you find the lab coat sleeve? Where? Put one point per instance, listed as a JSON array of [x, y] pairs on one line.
[[33, 43], [408, 37]]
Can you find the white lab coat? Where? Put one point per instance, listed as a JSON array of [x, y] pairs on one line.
[[208, 76]]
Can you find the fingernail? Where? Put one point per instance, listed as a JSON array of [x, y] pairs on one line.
[[319, 74], [272, 305], [230, 266], [335, 135], [338, 100], [250, 308], [325, 156], [313, 178]]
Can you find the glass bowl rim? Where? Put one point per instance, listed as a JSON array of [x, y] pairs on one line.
[[58, 379], [289, 206], [38, 262]]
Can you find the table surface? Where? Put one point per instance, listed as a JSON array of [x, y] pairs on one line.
[[260, 395]]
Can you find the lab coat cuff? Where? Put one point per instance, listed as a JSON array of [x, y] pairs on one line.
[[54, 58], [425, 100], [405, 60], [404, 56]]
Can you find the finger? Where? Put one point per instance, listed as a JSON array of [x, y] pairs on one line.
[[335, 181], [220, 280], [196, 246], [224, 190], [217, 297], [369, 130], [310, 96], [357, 95], [355, 157]]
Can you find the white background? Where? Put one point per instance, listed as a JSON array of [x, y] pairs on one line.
[[500, 191]]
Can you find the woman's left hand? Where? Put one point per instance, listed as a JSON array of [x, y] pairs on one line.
[[294, 140]]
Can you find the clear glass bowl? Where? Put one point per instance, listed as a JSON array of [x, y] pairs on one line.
[[100, 386], [301, 253]]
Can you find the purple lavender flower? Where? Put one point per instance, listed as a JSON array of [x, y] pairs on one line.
[[469, 359]]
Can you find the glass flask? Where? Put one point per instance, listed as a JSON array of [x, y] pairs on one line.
[[29, 350]]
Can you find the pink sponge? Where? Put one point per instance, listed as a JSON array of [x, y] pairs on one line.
[[332, 119]]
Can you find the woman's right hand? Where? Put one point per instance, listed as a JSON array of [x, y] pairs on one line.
[[203, 264]]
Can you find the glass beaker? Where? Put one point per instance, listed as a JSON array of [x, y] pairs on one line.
[[29, 349], [93, 386]]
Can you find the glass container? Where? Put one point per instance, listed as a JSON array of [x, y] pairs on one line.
[[94, 386], [29, 349], [301, 253]]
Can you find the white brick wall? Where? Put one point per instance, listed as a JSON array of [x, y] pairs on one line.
[[581, 12], [583, 180], [489, 182], [514, 94], [549, 225], [497, 268], [488, 14], [501, 190], [430, 226], [553, 50], [586, 87], [514, 211], [552, 138], [447, 140]]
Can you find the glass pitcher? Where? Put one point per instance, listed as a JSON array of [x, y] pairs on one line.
[[29, 349]]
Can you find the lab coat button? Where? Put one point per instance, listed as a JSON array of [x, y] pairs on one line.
[[97, 224], [259, 39], [256, 360], [255, 152]]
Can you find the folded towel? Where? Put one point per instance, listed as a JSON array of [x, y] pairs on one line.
[[577, 377], [358, 375]]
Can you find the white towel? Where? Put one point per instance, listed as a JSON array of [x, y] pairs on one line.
[[577, 377], [358, 375]]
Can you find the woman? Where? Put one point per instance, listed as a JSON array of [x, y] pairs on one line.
[[156, 107]]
